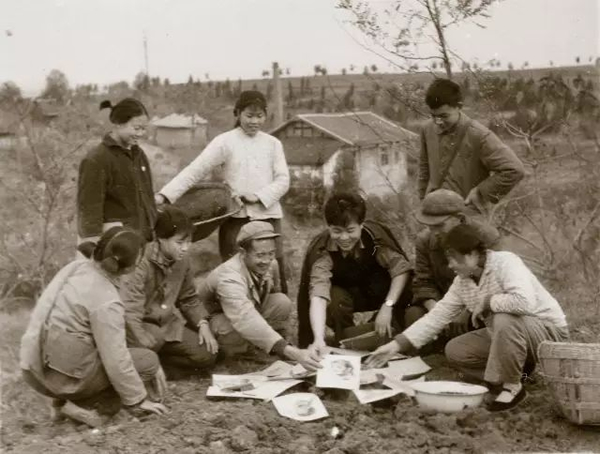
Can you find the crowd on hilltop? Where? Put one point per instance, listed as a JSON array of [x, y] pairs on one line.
[[128, 305]]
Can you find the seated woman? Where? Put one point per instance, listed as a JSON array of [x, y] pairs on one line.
[[74, 346], [163, 312], [499, 290]]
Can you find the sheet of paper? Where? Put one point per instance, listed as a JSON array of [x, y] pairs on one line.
[[277, 369], [370, 376], [262, 387], [298, 371], [366, 396], [300, 406], [407, 368], [339, 371]]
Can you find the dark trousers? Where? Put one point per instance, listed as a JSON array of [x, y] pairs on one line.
[[228, 232], [187, 354], [345, 302]]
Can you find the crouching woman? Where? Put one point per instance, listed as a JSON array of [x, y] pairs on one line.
[[74, 346], [500, 292]]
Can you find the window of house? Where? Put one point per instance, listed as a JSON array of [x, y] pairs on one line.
[[396, 156], [384, 158]]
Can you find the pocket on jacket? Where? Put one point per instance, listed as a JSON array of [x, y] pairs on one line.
[[69, 353]]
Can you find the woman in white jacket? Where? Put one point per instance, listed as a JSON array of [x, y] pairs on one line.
[[254, 166], [502, 294]]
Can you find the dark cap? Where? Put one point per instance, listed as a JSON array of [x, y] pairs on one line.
[[439, 205], [256, 230]]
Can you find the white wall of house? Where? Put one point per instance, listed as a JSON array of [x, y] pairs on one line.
[[381, 169], [329, 168], [297, 171], [181, 137]]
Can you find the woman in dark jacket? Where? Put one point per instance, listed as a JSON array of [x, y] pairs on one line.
[[115, 182]]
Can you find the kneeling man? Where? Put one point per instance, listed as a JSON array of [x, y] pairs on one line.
[[356, 265], [244, 302]]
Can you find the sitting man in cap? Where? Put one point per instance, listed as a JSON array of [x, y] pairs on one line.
[[355, 265], [244, 301], [440, 211]]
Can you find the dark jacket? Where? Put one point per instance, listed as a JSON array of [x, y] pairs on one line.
[[382, 236], [483, 161], [115, 185], [433, 277]]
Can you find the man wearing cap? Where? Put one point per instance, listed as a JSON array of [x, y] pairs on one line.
[[243, 298], [461, 154], [440, 211]]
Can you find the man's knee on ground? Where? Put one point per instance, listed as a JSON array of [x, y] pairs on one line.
[[202, 358], [412, 314], [229, 340], [145, 361]]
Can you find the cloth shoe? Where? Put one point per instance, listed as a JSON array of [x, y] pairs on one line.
[[508, 398]]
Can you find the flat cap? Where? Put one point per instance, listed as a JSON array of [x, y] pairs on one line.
[[256, 230], [439, 205]]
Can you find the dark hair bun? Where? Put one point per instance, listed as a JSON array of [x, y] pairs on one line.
[[106, 104], [110, 264], [87, 248]]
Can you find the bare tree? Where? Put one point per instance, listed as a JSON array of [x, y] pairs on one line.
[[402, 25]]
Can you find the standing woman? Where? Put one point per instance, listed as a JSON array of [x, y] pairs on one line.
[[254, 167], [74, 346], [115, 183]]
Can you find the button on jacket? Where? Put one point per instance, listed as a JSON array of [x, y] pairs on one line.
[[115, 185]]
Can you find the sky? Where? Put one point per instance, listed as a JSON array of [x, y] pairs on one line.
[[101, 41]]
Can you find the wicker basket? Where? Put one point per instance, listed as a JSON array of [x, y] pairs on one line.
[[572, 372]]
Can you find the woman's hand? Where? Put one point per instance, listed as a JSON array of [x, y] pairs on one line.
[[159, 199], [248, 197], [480, 312], [382, 355], [205, 336], [153, 407], [383, 321]]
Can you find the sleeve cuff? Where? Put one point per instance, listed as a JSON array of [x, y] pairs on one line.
[[279, 347]]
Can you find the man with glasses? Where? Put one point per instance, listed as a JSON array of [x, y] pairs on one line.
[[461, 154]]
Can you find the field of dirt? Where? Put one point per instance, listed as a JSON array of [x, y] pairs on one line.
[[198, 425]]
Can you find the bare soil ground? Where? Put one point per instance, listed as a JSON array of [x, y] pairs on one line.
[[198, 425]]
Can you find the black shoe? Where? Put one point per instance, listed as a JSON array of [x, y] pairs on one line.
[[503, 406]]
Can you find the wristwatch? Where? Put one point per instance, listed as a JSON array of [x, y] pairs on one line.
[[390, 303]]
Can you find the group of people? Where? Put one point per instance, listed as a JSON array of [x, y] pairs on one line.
[[129, 304]]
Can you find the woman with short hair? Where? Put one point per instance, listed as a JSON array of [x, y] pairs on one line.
[[502, 294]]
